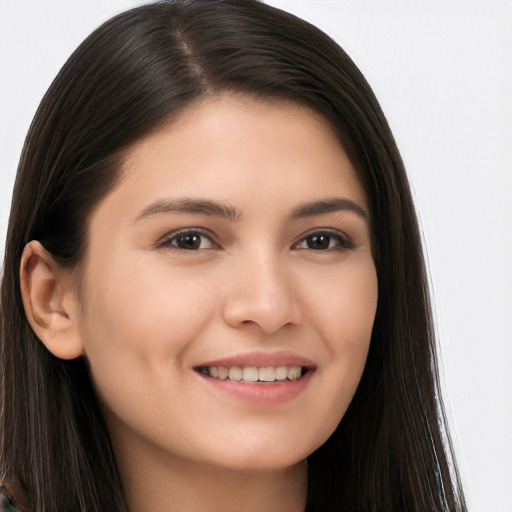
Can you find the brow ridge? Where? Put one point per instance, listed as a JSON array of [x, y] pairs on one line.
[[189, 205], [328, 205], [226, 211]]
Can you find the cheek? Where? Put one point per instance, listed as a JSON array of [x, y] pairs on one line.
[[138, 317], [344, 316], [344, 308]]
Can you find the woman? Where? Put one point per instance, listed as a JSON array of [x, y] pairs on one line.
[[214, 281]]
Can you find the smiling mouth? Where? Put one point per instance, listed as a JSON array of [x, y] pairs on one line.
[[254, 374]]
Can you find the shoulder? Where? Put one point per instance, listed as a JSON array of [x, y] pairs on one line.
[[8, 501]]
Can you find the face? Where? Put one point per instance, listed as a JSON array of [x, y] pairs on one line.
[[236, 246]]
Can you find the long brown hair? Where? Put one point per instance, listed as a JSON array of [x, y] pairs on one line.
[[391, 450]]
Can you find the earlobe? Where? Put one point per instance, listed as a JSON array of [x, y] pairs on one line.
[[50, 302]]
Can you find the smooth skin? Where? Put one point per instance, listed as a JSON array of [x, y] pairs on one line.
[[239, 227]]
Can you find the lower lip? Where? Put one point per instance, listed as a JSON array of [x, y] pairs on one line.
[[272, 393]]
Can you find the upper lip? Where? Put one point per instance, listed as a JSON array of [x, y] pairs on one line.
[[262, 359]]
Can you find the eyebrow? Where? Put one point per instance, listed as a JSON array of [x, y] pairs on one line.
[[328, 205], [189, 205], [225, 211]]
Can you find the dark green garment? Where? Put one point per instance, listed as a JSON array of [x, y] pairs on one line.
[[8, 501]]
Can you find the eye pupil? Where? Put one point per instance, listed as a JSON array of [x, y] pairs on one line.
[[189, 241], [318, 242]]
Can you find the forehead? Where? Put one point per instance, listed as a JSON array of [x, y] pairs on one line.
[[232, 135]]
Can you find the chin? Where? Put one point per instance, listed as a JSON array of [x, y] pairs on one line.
[[262, 459]]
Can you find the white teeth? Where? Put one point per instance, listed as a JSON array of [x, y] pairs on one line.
[[255, 374], [250, 374], [281, 373], [267, 374], [222, 373], [293, 372], [235, 373]]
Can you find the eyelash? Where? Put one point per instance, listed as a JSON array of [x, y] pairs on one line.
[[342, 241], [167, 242]]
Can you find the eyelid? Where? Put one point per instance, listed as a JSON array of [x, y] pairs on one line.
[[165, 241], [346, 241]]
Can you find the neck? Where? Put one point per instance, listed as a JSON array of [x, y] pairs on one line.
[[164, 483]]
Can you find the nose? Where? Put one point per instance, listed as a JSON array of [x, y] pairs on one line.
[[262, 292]]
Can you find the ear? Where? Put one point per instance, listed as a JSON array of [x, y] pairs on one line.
[[50, 302]]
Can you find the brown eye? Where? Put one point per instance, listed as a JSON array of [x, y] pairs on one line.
[[325, 241], [188, 241], [191, 242], [318, 242]]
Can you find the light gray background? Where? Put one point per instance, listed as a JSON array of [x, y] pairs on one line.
[[443, 73]]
